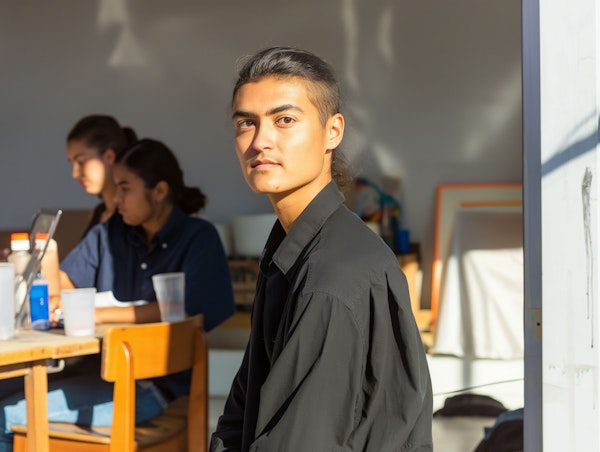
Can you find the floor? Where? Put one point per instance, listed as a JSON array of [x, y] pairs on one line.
[[499, 380], [458, 434]]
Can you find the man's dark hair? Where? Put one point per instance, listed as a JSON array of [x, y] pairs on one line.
[[321, 86]]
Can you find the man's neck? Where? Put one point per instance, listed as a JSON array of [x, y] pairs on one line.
[[288, 206]]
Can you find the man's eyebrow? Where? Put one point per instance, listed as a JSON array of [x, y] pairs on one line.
[[243, 114], [284, 107], [272, 111]]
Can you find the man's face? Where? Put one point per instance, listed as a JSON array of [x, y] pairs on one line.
[[283, 148]]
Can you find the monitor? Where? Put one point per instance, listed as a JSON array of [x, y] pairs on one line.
[[45, 220]]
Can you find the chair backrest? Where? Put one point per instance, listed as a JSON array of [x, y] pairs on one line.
[[152, 350]]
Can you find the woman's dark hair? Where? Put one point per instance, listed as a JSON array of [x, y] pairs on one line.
[[322, 88], [153, 162], [102, 132]]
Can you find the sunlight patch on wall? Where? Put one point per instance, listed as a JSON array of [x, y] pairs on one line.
[[493, 118], [382, 35], [385, 38], [388, 160], [350, 28], [128, 50], [112, 12]]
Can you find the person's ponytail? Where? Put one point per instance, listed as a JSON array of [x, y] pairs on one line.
[[153, 162], [192, 200], [130, 137]]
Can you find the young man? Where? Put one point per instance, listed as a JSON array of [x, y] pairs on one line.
[[334, 361]]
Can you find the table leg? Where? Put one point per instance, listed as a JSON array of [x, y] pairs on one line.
[[36, 399]]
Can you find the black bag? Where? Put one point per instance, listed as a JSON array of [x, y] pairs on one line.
[[471, 405], [507, 436]]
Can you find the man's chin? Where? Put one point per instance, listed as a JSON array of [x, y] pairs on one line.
[[263, 188]]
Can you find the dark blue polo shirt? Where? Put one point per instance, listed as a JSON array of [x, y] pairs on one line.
[[113, 256]]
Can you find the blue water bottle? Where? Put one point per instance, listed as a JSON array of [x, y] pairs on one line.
[[39, 308]]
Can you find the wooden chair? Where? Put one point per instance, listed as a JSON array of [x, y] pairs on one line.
[[136, 352]]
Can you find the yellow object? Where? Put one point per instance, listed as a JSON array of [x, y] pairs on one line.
[[144, 351]]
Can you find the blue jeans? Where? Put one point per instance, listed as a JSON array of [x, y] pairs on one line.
[[83, 399]]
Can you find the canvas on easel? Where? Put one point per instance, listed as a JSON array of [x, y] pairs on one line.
[[451, 197]]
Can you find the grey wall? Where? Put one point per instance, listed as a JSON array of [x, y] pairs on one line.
[[432, 89]]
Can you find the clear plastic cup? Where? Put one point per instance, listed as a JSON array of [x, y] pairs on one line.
[[7, 300], [170, 294], [79, 311]]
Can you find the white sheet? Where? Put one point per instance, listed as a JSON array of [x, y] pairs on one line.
[[481, 298]]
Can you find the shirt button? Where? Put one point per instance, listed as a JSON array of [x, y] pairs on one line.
[[143, 266], [164, 245]]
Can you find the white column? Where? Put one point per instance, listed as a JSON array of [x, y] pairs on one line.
[[532, 226], [568, 183]]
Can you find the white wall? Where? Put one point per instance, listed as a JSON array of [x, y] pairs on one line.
[[432, 89], [570, 104]]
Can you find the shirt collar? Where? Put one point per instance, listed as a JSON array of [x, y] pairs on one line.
[[175, 219], [286, 249]]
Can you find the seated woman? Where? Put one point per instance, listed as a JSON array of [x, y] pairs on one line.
[[151, 233], [92, 147]]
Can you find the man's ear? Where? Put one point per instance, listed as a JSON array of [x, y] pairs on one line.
[[335, 131], [109, 156], [160, 191]]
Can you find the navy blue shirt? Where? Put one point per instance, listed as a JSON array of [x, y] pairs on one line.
[[113, 256]]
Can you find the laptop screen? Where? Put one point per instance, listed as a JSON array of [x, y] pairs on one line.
[[46, 221]]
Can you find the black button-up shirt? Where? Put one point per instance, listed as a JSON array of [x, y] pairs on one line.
[[335, 360]]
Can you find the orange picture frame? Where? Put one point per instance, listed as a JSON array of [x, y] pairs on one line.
[[450, 197]]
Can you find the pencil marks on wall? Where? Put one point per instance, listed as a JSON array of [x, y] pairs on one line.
[[586, 185]]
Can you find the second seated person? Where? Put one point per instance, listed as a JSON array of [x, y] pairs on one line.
[[92, 147], [151, 233]]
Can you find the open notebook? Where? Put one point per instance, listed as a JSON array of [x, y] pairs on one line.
[[45, 220]]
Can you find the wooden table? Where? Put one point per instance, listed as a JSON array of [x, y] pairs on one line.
[[26, 355]]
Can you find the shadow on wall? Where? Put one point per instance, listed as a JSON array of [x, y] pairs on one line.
[[431, 89]]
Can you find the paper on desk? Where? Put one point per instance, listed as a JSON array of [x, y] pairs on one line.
[[107, 299]]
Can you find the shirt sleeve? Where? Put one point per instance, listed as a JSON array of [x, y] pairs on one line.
[[89, 264], [228, 435], [208, 288], [347, 381]]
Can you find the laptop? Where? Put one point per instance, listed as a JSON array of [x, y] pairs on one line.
[[45, 220]]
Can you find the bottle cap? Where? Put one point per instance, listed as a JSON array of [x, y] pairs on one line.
[[19, 241], [40, 240]]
